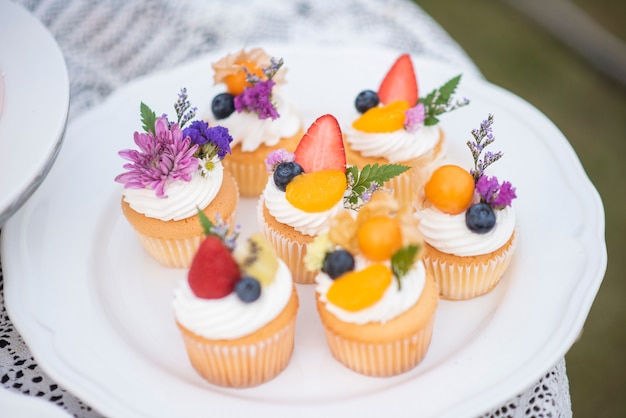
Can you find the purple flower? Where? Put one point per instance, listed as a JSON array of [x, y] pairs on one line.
[[210, 141], [414, 118], [505, 196], [163, 157], [495, 194], [278, 156], [257, 99]]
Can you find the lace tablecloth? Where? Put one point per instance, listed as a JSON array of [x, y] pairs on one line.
[[108, 43]]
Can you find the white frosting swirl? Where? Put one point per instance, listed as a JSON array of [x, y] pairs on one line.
[[307, 223], [183, 198], [393, 303], [395, 146], [248, 130], [229, 317], [449, 233]]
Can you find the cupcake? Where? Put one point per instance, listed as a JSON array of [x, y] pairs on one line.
[[468, 223], [395, 125], [307, 187], [174, 172], [236, 311], [374, 296], [257, 113]]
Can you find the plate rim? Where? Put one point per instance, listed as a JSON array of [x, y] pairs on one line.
[[54, 121]]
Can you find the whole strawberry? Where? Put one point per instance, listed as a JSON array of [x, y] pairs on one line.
[[214, 271]]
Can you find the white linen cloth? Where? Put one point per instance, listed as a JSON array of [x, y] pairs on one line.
[[108, 43]]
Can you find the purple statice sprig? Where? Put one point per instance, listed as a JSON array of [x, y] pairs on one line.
[[276, 157], [221, 229], [258, 97], [183, 108], [496, 195], [211, 142], [483, 137], [164, 155]]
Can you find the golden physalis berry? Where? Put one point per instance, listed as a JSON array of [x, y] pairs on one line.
[[389, 118], [450, 189], [357, 290], [236, 83], [379, 237], [317, 191]]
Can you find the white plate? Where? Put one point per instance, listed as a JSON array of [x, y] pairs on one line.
[[36, 102], [95, 309]]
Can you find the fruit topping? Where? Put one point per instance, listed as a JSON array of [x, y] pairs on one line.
[[236, 83], [379, 237], [450, 189], [214, 271], [337, 263], [366, 100], [248, 289], [316, 191], [223, 105], [388, 118], [321, 147], [400, 82], [285, 172], [357, 290], [256, 258], [480, 218]]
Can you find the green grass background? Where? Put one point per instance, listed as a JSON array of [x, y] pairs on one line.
[[516, 53]]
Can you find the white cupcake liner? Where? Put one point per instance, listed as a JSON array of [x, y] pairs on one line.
[[384, 358], [176, 253], [461, 281], [290, 251], [250, 177], [240, 366]]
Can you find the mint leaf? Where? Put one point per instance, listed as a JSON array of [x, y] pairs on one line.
[[206, 223], [439, 101], [148, 118], [402, 261], [369, 179], [447, 90]]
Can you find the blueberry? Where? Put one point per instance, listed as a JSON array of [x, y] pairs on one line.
[[366, 100], [248, 289], [284, 172], [480, 218], [337, 263], [223, 105]]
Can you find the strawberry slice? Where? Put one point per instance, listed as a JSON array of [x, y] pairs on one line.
[[399, 83], [321, 147], [214, 271]]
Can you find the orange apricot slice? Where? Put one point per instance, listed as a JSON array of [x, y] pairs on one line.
[[317, 191], [356, 290], [389, 118]]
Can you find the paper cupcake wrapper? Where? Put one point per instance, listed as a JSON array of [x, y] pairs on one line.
[[241, 366], [176, 253], [381, 359], [290, 251], [467, 281], [251, 177], [403, 188]]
